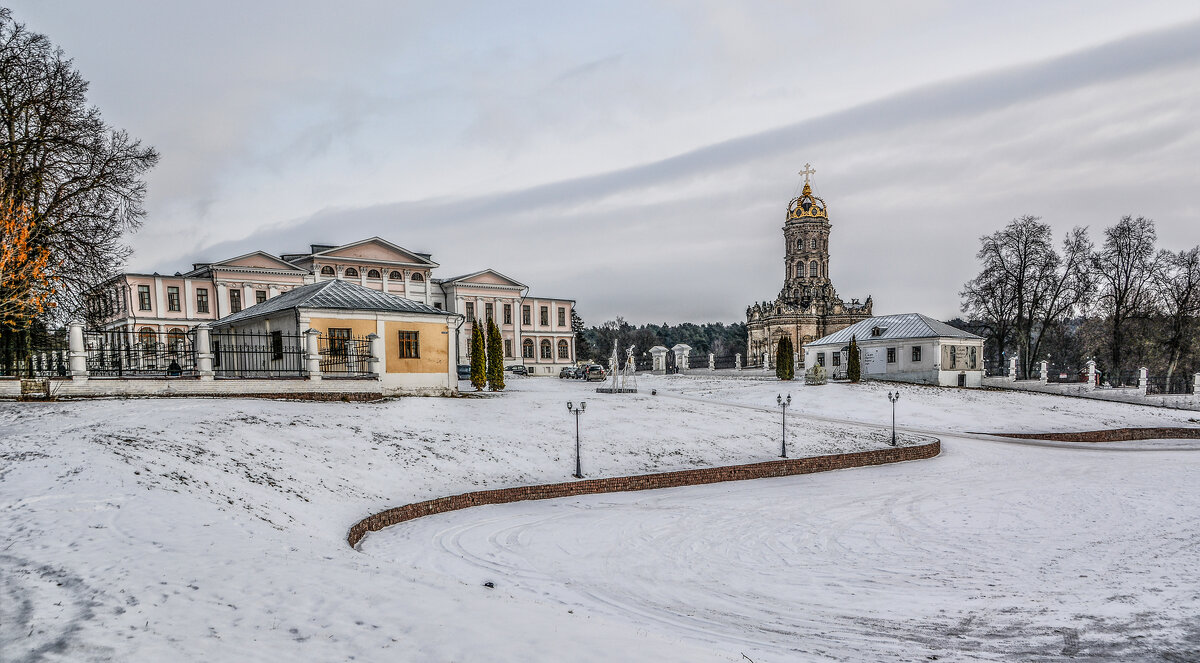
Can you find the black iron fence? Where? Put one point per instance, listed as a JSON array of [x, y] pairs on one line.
[[258, 355], [42, 362], [1177, 384], [345, 356], [145, 353], [728, 361], [1063, 374]]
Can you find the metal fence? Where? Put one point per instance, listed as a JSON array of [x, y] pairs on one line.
[[42, 362], [729, 361], [257, 355], [1065, 374], [147, 353], [1178, 384], [345, 356]]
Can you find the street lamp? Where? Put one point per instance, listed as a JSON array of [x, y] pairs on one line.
[[892, 398], [577, 411], [783, 405]]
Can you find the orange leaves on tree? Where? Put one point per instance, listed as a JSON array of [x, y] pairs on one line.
[[26, 284]]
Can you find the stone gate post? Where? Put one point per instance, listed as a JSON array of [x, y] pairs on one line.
[[1196, 386], [682, 350], [312, 354], [76, 351], [737, 361], [712, 362], [1091, 374], [204, 355], [1044, 371], [658, 361], [375, 363], [764, 362], [1143, 379], [1012, 368]]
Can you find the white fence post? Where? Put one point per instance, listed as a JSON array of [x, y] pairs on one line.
[[712, 362], [375, 364], [1143, 379], [737, 361], [204, 355], [1091, 374], [76, 352], [764, 362], [1012, 368], [312, 354], [1044, 371], [1196, 386]]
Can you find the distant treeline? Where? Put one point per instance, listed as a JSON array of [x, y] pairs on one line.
[[715, 337]]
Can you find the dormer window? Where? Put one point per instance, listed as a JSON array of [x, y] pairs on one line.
[[350, 271], [878, 331]]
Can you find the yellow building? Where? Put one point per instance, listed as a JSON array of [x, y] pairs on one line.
[[357, 331]]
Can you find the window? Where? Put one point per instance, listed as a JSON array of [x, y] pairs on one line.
[[235, 301], [172, 298], [973, 358], [437, 305], [410, 346], [327, 271], [564, 350], [396, 276], [916, 353], [470, 311], [417, 277], [508, 347], [337, 341], [176, 341], [147, 337], [813, 269], [545, 316], [144, 297], [202, 300], [508, 314], [276, 345], [527, 348], [562, 316], [350, 271], [373, 274], [837, 359], [487, 310], [891, 355], [260, 296], [525, 316], [546, 348], [876, 331], [953, 356], [821, 359], [813, 244]]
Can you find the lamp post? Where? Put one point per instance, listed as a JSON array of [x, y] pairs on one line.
[[783, 406], [577, 411], [892, 398]]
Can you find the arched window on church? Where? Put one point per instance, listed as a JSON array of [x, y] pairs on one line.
[[326, 271], [813, 244], [814, 270]]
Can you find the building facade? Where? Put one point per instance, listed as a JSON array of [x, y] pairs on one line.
[[808, 306], [908, 347], [536, 330]]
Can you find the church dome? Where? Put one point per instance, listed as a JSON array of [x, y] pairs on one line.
[[806, 206]]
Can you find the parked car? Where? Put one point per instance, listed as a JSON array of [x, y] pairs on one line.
[[580, 372], [464, 371], [595, 373], [566, 372], [517, 369]]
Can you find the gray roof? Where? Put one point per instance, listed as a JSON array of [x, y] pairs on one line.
[[894, 327], [333, 294]]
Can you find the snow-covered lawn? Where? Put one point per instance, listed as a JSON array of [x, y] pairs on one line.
[[187, 529]]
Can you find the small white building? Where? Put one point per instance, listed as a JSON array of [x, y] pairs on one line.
[[908, 347]]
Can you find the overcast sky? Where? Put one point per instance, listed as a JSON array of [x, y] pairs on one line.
[[639, 156]]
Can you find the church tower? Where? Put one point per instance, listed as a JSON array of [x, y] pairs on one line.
[[808, 306]]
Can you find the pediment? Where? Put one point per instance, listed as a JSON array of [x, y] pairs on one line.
[[488, 277], [258, 260], [376, 250]]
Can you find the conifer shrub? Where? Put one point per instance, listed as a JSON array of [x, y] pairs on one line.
[[478, 358], [853, 364], [495, 357], [785, 366]]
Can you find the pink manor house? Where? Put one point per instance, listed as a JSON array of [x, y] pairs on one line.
[[536, 330]]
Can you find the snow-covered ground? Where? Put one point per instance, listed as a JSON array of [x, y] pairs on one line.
[[215, 530]]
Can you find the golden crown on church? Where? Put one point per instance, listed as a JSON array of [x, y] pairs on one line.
[[806, 206]]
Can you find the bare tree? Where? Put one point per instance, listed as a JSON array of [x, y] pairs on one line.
[[80, 178], [1025, 285], [1177, 285], [1124, 268]]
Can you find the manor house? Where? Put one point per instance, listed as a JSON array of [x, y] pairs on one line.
[[808, 307]]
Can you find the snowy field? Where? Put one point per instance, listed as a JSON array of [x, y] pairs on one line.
[[188, 529]]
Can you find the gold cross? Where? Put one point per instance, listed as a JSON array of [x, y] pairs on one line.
[[808, 170]]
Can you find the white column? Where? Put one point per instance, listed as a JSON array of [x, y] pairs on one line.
[[1044, 371], [76, 352], [1143, 379], [222, 300], [712, 362], [1091, 374], [737, 361], [1012, 367], [1196, 386], [312, 354], [375, 364], [189, 299], [204, 355]]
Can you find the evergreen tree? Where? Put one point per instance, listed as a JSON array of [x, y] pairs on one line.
[[785, 368], [583, 347], [853, 366], [495, 357], [478, 358]]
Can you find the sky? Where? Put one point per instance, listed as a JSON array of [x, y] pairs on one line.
[[639, 156]]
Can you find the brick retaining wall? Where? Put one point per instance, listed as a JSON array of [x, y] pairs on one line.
[[775, 468], [1113, 435]]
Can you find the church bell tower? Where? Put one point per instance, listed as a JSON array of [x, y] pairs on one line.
[[806, 255]]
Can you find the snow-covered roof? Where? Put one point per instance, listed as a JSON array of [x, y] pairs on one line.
[[332, 294], [894, 327]]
